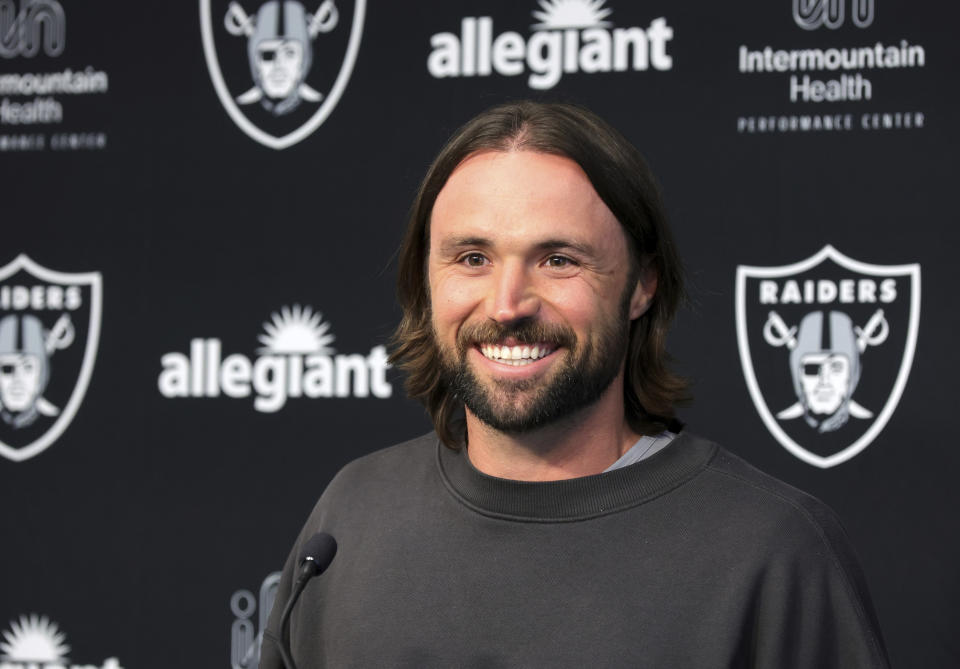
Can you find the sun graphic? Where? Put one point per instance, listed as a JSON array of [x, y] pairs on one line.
[[296, 330], [34, 639], [559, 14]]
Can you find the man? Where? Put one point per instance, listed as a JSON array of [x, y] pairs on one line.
[[560, 517]]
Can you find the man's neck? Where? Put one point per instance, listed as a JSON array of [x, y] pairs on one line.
[[582, 444]]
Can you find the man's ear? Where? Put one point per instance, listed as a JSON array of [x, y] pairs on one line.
[[644, 291]]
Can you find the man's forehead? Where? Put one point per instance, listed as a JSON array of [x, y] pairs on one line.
[[539, 196], [508, 167]]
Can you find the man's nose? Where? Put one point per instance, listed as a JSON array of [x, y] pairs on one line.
[[514, 296]]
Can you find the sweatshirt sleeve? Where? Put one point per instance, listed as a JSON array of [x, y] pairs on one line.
[[812, 609]]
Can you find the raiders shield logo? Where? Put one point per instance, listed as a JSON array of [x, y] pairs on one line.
[[49, 330], [826, 346], [280, 66]]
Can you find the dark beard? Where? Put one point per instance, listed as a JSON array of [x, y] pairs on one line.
[[587, 372]]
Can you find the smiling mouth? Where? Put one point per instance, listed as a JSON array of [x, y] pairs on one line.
[[516, 355]]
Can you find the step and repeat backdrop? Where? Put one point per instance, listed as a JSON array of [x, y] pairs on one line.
[[201, 206]]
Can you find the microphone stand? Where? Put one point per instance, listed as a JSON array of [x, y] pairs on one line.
[[317, 555]]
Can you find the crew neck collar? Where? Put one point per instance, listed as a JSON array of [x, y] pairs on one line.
[[578, 498]]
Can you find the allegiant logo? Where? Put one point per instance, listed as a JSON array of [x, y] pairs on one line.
[[296, 360], [572, 36]]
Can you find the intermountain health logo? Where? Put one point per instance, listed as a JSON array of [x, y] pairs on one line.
[[35, 642], [828, 87], [295, 360], [35, 104], [49, 331], [570, 36], [246, 639], [280, 67], [826, 346]]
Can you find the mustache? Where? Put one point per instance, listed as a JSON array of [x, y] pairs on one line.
[[524, 331]]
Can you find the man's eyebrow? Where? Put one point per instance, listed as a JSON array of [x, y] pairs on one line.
[[453, 244], [570, 244]]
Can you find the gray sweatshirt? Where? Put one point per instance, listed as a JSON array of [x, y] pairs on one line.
[[691, 558]]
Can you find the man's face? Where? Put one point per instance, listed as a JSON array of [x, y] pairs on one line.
[[528, 273], [279, 64], [825, 380], [19, 380]]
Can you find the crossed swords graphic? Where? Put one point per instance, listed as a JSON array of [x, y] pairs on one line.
[[777, 333]]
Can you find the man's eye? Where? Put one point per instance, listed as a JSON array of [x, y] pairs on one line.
[[473, 260], [559, 261]]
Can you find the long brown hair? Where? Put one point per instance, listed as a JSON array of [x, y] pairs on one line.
[[624, 182]]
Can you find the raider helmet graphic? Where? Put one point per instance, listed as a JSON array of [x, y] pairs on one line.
[[825, 364], [24, 369], [826, 345], [25, 366], [280, 52]]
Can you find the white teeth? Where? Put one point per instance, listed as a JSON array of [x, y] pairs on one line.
[[515, 355]]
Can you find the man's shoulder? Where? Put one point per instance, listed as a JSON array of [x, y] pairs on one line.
[[796, 539], [754, 484], [756, 503]]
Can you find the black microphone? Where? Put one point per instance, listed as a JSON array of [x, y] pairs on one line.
[[315, 556]]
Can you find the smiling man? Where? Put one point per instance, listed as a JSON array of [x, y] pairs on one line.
[[533, 292], [559, 515]]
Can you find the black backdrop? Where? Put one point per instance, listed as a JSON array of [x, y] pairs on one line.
[[134, 529]]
